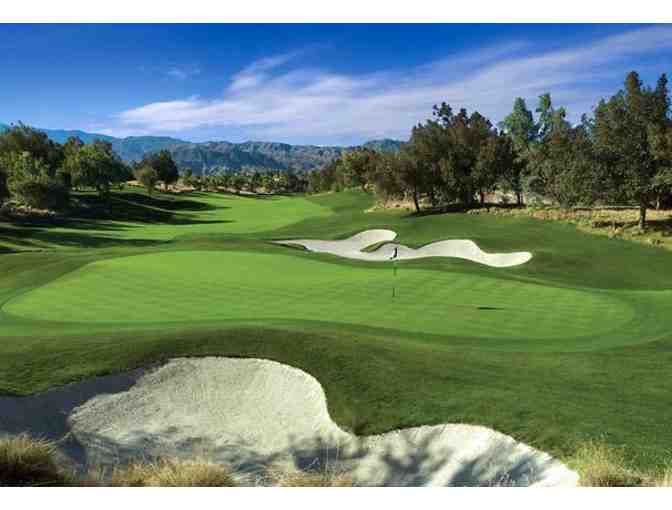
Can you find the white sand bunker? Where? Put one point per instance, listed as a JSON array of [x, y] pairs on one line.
[[253, 414], [458, 248]]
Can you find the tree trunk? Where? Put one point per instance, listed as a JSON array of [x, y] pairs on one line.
[[482, 197], [415, 202], [642, 217], [519, 198]]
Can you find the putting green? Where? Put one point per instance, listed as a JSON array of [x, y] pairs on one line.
[[207, 285]]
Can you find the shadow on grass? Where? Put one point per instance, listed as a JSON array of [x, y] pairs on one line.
[[34, 238], [89, 213]]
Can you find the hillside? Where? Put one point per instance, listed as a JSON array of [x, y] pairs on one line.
[[208, 157]]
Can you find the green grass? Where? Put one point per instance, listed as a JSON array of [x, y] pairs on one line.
[[576, 345]]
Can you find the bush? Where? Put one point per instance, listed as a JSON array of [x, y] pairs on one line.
[[29, 462]]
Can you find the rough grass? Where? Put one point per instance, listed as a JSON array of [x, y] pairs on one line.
[[313, 479], [615, 223], [171, 473], [25, 461], [600, 465]]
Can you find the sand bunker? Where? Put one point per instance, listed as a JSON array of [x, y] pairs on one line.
[[256, 413], [457, 248]]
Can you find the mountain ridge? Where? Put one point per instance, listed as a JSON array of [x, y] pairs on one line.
[[213, 156]]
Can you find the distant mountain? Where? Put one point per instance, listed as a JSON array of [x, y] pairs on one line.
[[209, 157], [61, 135]]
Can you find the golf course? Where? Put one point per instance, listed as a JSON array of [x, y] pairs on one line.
[[573, 345]]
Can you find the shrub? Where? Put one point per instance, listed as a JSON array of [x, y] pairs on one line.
[[29, 462]]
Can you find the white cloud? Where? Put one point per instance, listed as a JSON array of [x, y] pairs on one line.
[[268, 99]]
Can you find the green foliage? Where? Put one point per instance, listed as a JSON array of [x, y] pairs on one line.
[[30, 182], [564, 167], [148, 176], [21, 138], [96, 166], [630, 133], [357, 165], [164, 165]]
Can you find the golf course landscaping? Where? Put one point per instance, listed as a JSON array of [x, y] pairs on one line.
[[571, 345]]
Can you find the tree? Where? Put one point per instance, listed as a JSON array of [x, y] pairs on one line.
[[147, 176], [551, 119], [163, 163], [495, 159], [95, 165], [659, 136], [564, 167], [70, 148], [21, 138], [238, 183], [187, 177], [255, 182], [4, 190], [29, 181], [629, 133], [357, 165], [385, 177], [466, 136], [426, 148], [520, 126]]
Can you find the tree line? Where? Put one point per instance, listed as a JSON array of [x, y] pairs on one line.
[[40, 173], [620, 155]]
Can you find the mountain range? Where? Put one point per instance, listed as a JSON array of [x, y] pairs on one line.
[[209, 157]]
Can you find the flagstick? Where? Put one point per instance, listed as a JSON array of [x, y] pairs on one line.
[[394, 273]]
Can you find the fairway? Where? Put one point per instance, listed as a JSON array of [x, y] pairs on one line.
[[574, 344]]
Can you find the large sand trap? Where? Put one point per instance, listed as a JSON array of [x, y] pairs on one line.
[[458, 248], [255, 413]]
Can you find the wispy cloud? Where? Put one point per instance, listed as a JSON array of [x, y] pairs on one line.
[[182, 73], [275, 98]]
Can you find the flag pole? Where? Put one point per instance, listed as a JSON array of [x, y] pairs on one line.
[[394, 272]]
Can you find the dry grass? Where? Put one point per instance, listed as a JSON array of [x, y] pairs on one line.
[[25, 461], [602, 466], [172, 473], [664, 480], [323, 478]]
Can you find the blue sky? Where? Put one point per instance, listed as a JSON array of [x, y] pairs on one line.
[[321, 84]]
